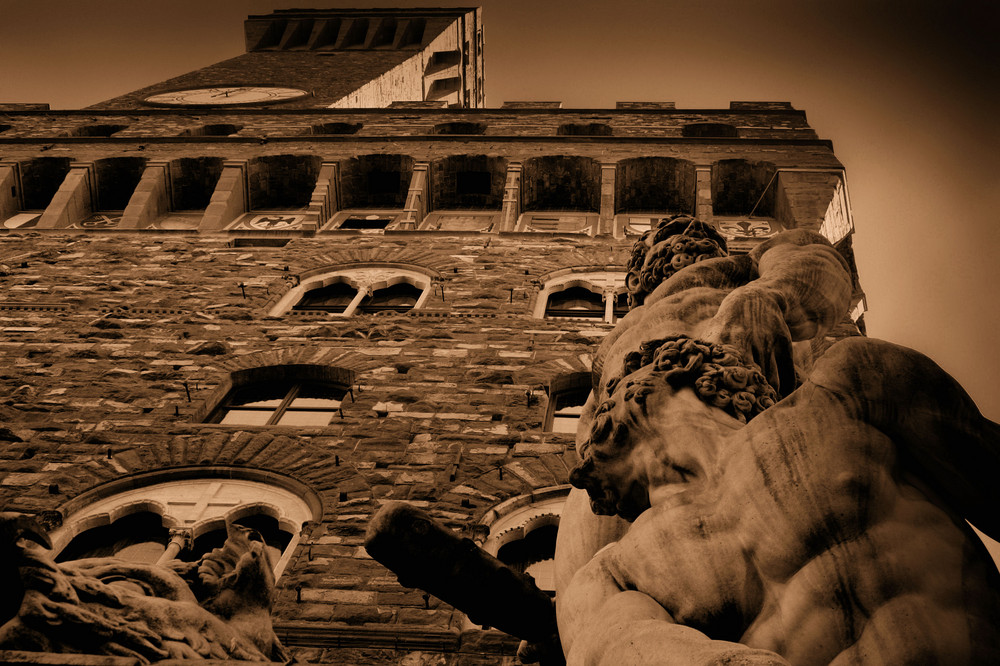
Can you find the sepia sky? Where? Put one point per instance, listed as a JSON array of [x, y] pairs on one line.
[[905, 90]]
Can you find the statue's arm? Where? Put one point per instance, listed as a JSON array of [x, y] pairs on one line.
[[601, 624], [808, 277], [802, 289]]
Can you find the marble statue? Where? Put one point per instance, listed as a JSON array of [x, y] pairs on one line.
[[217, 607], [748, 497]]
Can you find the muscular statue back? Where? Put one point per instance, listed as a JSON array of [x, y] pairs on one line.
[[826, 528]]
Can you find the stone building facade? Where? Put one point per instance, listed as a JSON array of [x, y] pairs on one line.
[[290, 307]]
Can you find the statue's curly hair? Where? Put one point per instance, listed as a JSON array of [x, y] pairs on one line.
[[688, 240], [717, 373]]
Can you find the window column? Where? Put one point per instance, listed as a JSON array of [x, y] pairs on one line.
[[703, 201], [230, 198], [74, 200], [10, 192], [606, 221], [181, 539], [511, 198], [150, 200], [416, 198], [325, 199]]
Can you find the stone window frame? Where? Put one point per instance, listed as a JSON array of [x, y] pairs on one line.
[[292, 389], [609, 284], [364, 278], [337, 378], [559, 387], [291, 503], [518, 516]]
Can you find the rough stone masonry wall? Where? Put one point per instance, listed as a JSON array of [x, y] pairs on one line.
[[101, 334]]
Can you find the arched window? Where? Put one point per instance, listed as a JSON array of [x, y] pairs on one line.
[[522, 533], [361, 289], [399, 297], [582, 295], [575, 301], [182, 514], [333, 298], [292, 401]]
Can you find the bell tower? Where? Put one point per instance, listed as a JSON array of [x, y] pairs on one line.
[[336, 58]]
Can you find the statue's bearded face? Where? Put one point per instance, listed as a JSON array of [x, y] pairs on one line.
[[615, 486], [613, 470]]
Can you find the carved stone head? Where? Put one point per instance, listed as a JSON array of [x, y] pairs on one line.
[[676, 242]]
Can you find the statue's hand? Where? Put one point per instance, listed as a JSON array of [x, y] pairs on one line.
[[752, 319]]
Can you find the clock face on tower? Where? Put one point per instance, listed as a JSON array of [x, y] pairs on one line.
[[227, 95]]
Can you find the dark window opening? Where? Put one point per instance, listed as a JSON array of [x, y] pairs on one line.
[[331, 298], [328, 34], [584, 129], [655, 185], [367, 222], [575, 302], [561, 183], [399, 297], [272, 36], [98, 130], [382, 183], [299, 37], [385, 34], [282, 182], [356, 33], [414, 33], [459, 128], [709, 131], [193, 180], [260, 242], [336, 128], [117, 178], [40, 180], [217, 129], [375, 181], [137, 537], [621, 305], [474, 183], [740, 188], [288, 403], [464, 182]]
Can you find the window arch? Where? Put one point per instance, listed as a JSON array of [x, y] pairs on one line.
[[283, 395], [182, 514], [584, 295], [522, 533], [358, 289]]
